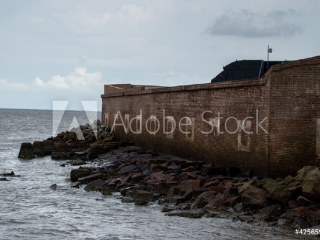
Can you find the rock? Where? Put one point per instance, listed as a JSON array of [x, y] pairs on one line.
[[283, 221], [293, 204], [288, 179], [254, 196], [61, 155], [11, 174], [212, 183], [137, 177], [304, 201], [90, 178], [79, 173], [127, 200], [280, 194], [188, 214], [53, 186], [311, 184], [303, 172], [158, 167], [238, 207], [183, 206], [246, 218], [154, 161], [48, 147], [78, 162], [219, 189], [75, 184], [106, 190], [203, 199], [95, 150], [270, 213], [143, 197], [168, 208], [127, 169], [26, 151], [38, 148], [95, 185], [3, 179]]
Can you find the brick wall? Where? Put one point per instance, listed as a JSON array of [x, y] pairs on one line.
[[287, 92]]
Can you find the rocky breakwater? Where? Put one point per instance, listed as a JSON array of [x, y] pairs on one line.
[[66, 145], [195, 189]]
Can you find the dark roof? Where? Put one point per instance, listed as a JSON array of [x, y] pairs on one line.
[[244, 69]]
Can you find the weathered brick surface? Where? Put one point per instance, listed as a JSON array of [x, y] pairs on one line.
[[287, 95]]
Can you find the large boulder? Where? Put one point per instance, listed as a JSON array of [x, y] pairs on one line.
[[304, 171], [311, 184], [26, 151]]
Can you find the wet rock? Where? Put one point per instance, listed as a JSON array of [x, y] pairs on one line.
[[188, 214], [238, 207], [168, 208], [61, 155], [53, 186], [270, 213], [78, 162], [183, 206], [95, 185], [90, 178], [75, 184], [38, 148], [107, 190], [283, 221], [127, 200], [143, 197], [11, 174], [26, 151], [79, 173], [203, 199]]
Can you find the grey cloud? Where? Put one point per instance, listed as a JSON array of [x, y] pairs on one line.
[[248, 24]]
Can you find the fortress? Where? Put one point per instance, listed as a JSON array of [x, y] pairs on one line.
[[269, 124]]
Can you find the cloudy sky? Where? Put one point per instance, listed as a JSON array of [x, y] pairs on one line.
[[67, 50]]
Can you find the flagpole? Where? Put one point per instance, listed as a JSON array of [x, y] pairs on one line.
[[268, 59]]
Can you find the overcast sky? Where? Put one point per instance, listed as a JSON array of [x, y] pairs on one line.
[[67, 50]]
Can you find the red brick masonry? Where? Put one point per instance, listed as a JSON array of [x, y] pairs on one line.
[[283, 104]]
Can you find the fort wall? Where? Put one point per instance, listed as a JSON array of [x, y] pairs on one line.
[[268, 125]]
